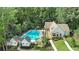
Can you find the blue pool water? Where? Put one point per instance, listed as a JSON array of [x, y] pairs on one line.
[[33, 34]]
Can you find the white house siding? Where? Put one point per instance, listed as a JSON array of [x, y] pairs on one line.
[[13, 42], [58, 31], [25, 43], [53, 26]]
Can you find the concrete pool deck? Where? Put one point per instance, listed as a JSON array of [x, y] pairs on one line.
[[34, 37]]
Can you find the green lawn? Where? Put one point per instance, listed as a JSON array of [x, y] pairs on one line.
[[77, 31], [74, 43], [60, 45]]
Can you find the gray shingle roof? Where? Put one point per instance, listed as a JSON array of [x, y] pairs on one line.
[[48, 24], [20, 39], [65, 27]]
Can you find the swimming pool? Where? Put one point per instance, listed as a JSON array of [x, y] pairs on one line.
[[33, 34]]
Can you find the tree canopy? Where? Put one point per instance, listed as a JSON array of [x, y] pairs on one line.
[[15, 21]]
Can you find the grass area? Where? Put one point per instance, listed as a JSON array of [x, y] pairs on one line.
[[70, 41], [46, 47], [60, 45], [43, 48], [77, 31], [74, 43]]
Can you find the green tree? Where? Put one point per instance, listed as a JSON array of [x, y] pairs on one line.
[[6, 18]]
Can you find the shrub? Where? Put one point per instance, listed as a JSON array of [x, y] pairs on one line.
[[13, 48]]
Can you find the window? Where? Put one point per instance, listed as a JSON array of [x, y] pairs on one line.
[[22, 43], [57, 34], [53, 34], [60, 34]]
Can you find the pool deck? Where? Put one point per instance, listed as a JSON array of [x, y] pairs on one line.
[[41, 34]]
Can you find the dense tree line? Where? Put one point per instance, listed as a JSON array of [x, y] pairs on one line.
[[15, 21]]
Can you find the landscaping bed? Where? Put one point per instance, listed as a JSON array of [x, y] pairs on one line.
[[12, 48], [34, 47], [46, 47], [43, 48], [39, 48]]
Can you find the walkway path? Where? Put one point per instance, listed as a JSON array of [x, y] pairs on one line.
[[67, 45], [52, 44]]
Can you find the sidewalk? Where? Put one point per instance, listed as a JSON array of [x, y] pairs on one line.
[[67, 45], [52, 44]]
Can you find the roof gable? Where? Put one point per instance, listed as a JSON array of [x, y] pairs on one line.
[[49, 24], [24, 40], [12, 40]]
